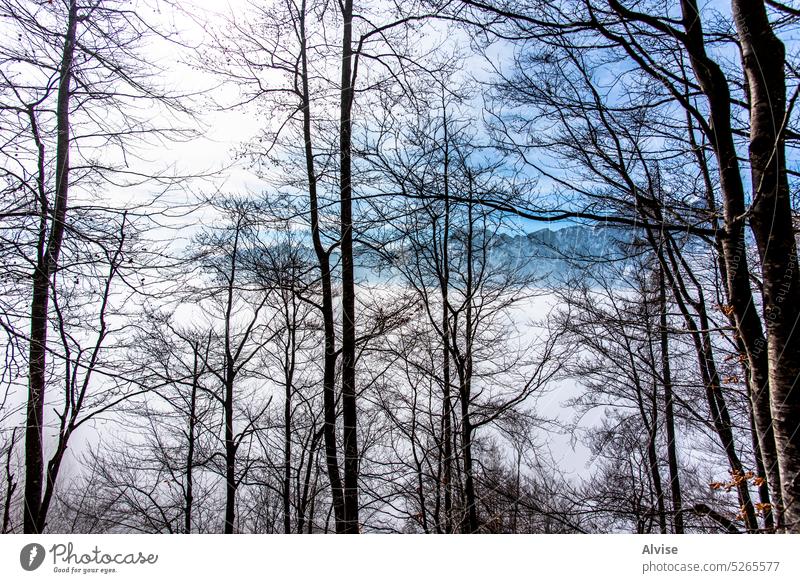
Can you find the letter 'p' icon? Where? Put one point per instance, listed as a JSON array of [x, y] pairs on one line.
[[31, 556]]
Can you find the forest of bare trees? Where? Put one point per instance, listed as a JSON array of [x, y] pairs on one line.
[[436, 266]]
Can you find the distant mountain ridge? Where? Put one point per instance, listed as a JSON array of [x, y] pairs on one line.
[[552, 255], [547, 257]]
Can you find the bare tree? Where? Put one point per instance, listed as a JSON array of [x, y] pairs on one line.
[[641, 35], [70, 84]]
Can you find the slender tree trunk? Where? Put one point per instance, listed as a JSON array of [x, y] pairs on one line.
[[323, 258], [48, 251], [287, 461], [710, 377], [53, 468], [230, 459], [651, 422], [652, 458], [11, 484], [423, 511], [669, 407], [444, 280], [671, 262], [228, 385], [517, 490], [349, 414], [306, 498], [469, 480], [447, 426], [471, 525], [189, 496], [649, 418], [289, 364]]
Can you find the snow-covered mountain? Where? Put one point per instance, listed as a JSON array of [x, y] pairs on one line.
[[552, 256], [542, 258]]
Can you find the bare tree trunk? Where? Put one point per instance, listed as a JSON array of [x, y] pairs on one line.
[[289, 365], [710, 376], [669, 405], [444, 280], [763, 487], [419, 471], [349, 414], [287, 460], [323, 258], [757, 382], [652, 458], [715, 87], [306, 502], [11, 484], [471, 525], [189, 500], [651, 422], [228, 385], [763, 59], [230, 462], [754, 361], [189, 494], [671, 263], [49, 249]]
